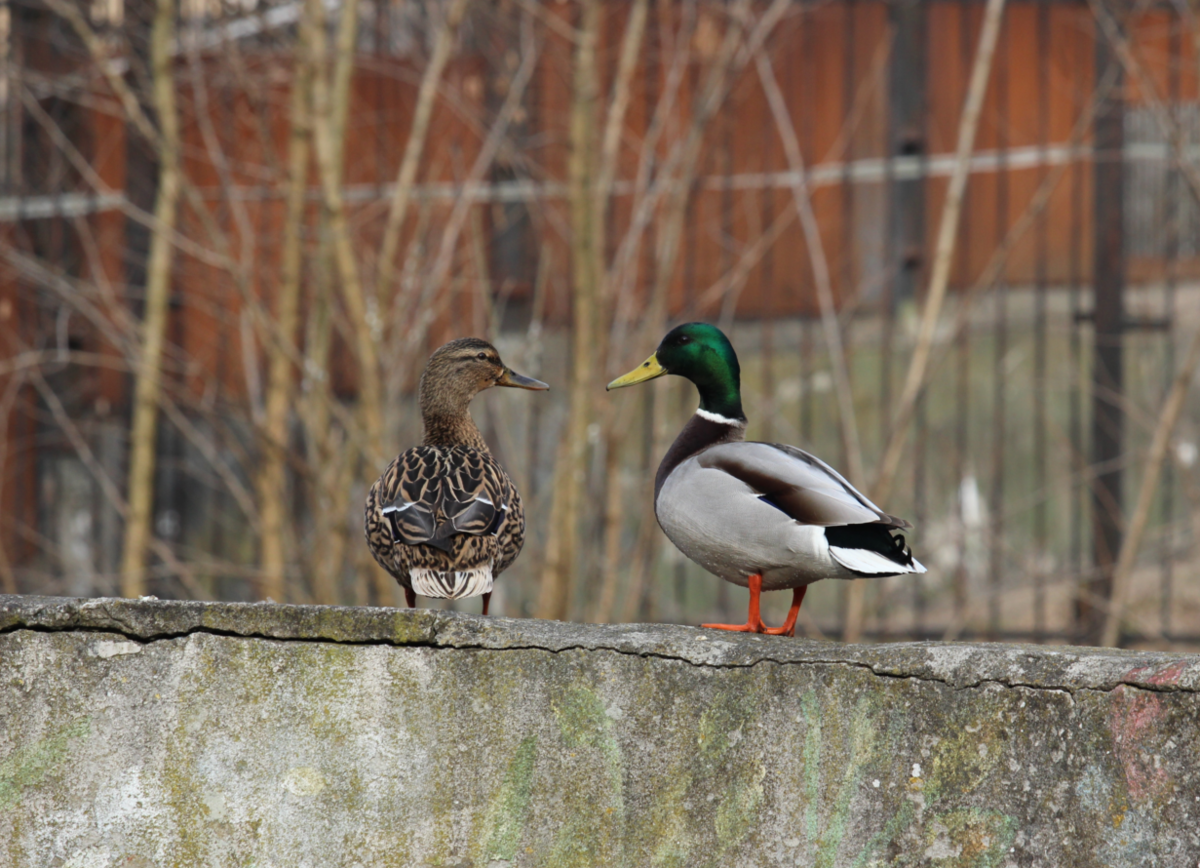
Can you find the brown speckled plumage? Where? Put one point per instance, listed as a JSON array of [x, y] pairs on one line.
[[444, 518]]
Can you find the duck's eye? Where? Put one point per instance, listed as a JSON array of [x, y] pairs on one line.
[[481, 356], [684, 339]]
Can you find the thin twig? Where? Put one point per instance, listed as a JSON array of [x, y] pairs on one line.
[[107, 486], [802, 199], [148, 384], [366, 331], [418, 133], [271, 478], [989, 34], [943, 255], [444, 260]]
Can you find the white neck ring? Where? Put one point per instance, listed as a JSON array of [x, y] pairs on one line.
[[717, 417]]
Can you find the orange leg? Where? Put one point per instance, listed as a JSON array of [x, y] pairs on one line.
[[754, 622], [487, 601], [410, 597], [789, 626]]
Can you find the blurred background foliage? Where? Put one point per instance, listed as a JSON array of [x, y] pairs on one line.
[[956, 245]]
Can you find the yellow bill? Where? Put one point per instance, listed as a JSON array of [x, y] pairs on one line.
[[647, 370]]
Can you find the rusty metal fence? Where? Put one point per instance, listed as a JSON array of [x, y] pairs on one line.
[[1073, 289]]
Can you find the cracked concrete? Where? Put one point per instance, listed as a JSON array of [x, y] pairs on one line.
[[167, 733]]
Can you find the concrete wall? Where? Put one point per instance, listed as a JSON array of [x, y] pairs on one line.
[[142, 734]]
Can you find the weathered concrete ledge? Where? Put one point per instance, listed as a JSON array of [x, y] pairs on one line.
[[147, 733]]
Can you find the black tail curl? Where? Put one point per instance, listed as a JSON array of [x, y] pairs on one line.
[[873, 537]]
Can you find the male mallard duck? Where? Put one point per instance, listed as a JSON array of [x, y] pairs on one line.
[[761, 515], [444, 518]]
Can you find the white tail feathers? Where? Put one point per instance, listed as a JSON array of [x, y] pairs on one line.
[[452, 584], [871, 563]]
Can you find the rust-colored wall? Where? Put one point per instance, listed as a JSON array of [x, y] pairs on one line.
[[831, 63]]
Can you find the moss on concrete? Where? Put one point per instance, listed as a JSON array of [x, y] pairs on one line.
[[31, 764]]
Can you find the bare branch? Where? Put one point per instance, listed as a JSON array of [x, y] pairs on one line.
[[555, 592], [112, 72], [143, 440], [365, 327], [468, 196], [271, 480], [415, 146], [107, 486], [943, 256], [802, 200]]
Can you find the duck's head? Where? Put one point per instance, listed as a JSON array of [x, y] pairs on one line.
[[463, 368], [701, 353]]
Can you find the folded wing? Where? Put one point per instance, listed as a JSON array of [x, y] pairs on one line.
[[798, 484], [439, 496]]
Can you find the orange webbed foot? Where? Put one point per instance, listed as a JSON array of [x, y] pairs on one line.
[[748, 627]]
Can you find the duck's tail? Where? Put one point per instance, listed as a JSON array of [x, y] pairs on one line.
[[452, 584], [871, 550]]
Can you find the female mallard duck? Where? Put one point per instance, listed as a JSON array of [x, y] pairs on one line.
[[444, 518], [761, 515]]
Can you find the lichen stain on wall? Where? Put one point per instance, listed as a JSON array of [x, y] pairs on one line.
[[509, 809], [592, 792], [855, 752], [29, 766]]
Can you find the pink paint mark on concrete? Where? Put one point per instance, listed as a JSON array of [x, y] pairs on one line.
[[1133, 722], [1168, 674]]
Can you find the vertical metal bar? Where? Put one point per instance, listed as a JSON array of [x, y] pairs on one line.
[[962, 409], [806, 353], [1039, 331], [962, 400], [808, 334], [1074, 388], [379, 39], [658, 35], [770, 295], [921, 439], [996, 517], [907, 138], [726, 168], [691, 231], [845, 274], [1108, 278], [13, 175], [6, 95], [849, 83], [905, 197], [686, 398], [379, 117], [806, 375], [901, 62], [904, 246], [1172, 210], [653, 403], [850, 49]]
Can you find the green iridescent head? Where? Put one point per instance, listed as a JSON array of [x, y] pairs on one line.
[[701, 353]]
